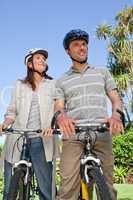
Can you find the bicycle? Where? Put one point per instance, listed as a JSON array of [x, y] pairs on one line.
[[90, 167], [23, 185], [91, 171]]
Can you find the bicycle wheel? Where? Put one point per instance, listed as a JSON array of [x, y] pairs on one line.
[[101, 188], [17, 189]]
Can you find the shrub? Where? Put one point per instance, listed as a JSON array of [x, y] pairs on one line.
[[120, 174], [58, 178], [123, 152], [1, 185], [1, 147]]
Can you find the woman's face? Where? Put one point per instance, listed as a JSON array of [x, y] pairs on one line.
[[39, 62]]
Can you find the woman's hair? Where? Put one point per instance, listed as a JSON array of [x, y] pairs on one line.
[[29, 79]]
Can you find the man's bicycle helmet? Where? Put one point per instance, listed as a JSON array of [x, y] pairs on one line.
[[35, 51], [75, 35]]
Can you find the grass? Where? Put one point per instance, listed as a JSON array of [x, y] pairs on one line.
[[125, 191]]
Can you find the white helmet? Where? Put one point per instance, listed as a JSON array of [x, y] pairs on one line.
[[35, 51]]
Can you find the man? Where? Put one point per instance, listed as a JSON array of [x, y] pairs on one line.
[[81, 94]]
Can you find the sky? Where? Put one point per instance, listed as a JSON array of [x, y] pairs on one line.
[[43, 24]]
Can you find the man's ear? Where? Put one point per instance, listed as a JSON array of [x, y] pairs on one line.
[[68, 52]]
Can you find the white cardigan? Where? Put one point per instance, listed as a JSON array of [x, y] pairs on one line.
[[18, 110]]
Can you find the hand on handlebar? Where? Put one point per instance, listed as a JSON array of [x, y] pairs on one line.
[[2, 127], [66, 125], [7, 122], [115, 125], [47, 132]]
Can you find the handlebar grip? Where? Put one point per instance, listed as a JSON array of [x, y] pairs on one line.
[[122, 116], [7, 129], [54, 119], [56, 132]]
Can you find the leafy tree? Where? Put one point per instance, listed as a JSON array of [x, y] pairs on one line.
[[120, 50], [123, 153]]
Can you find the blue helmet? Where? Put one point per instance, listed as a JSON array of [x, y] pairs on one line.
[[75, 35]]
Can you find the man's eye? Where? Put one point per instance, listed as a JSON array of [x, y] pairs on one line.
[[76, 45], [84, 44]]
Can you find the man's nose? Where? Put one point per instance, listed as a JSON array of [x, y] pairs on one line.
[[81, 46]]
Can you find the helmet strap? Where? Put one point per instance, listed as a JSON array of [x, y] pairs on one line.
[[81, 62], [40, 73]]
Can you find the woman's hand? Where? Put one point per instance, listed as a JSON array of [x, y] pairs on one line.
[[47, 132], [2, 127]]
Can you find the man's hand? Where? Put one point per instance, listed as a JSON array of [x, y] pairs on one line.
[[115, 125], [115, 121], [66, 125]]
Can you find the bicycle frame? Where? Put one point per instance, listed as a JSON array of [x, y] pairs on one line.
[[87, 133], [25, 159], [87, 162]]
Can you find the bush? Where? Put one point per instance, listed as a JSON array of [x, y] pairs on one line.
[[1, 147], [123, 152], [58, 178], [1, 187], [119, 174]]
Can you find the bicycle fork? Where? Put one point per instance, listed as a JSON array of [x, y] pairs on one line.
[[87, 163]]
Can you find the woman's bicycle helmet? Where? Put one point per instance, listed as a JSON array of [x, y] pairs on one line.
[[35, 51]]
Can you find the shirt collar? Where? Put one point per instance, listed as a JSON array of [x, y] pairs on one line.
[[73, 70]]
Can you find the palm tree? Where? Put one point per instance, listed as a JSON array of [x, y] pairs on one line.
[[120, 49], [120, 59]]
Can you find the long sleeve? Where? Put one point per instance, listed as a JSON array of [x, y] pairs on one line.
[[12, 108]]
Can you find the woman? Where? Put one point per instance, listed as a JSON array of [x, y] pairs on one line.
[[31, 107]]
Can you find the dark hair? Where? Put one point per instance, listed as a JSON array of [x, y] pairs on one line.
[[29, 79]]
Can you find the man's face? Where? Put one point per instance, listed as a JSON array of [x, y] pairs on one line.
[[78, 49], [39, 62]]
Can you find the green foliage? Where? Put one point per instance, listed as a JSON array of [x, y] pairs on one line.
[[1, 147], [103, 31], [58, 178], [120, 174], [1, 187], [120, 46], [123, 149], [123, 152]]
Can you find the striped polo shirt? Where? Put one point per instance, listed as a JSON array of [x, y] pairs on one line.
[[84, 93]]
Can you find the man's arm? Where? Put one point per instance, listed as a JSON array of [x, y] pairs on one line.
[[115, 122], [59, 105], [65, 123]]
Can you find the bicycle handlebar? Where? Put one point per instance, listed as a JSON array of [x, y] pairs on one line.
[[87, 127], [21, 132], [87, 132]]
